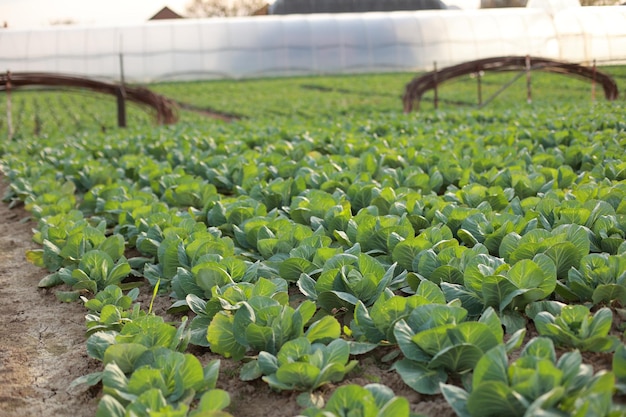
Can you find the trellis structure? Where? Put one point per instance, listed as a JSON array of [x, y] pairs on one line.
[[430, 81], [164, 109]]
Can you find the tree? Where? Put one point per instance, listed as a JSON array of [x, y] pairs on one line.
[[599, 2], [488, 4], [60, 22], [222, 8]]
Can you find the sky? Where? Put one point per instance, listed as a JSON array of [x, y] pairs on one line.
[[21, 14], [24, 14]]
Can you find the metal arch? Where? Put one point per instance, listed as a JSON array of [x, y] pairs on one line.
[[164, 108], [419, 85]]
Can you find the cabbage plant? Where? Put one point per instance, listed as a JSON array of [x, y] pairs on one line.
[[371, 400], [535, 384], [301, 365], [600, 277], [436, 342], [574, 325]]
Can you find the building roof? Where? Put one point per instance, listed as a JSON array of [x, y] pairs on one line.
[[350, 6], [166, 13]]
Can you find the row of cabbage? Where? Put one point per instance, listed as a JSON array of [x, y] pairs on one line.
[[321, 97], [298, 248], [52, 112]]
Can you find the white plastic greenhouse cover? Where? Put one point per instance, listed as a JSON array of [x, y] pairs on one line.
[[316, 44]]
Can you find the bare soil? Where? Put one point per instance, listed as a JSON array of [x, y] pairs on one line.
[[42, 341]]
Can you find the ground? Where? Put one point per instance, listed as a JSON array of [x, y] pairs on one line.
[[42, 341]]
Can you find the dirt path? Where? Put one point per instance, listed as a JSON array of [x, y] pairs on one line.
[[42, 341]]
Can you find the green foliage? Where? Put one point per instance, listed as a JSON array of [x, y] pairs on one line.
[[91, 260], [64, 237], [600, 278], [177, 376], [138, 335], [437, 341], [376, 324], [190, 246], [619, 367], [534, 384], [490, 282], [575, 326], [348, 278], [227, 298], [565, 245], [372, 400], [263, 324], [429, 231], [65, 240], [165, 389], [145, 370], [111, 317], [95, 271], [111, 295], [301, 365]]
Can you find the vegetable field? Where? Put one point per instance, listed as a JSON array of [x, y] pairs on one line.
[[324, 254]]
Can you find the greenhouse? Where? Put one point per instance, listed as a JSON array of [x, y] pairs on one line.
[[324, 43], [347, 6]]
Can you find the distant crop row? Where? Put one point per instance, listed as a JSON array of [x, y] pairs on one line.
[[299, 244], [62, 112], [51, 112]]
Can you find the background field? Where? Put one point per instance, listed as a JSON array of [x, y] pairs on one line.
[[50, 112]]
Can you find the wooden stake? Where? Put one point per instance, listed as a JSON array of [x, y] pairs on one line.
[[121, 106], [436, 98], [480, 89], [121, 97], [529, 96], [9, 116], [593, 83]]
